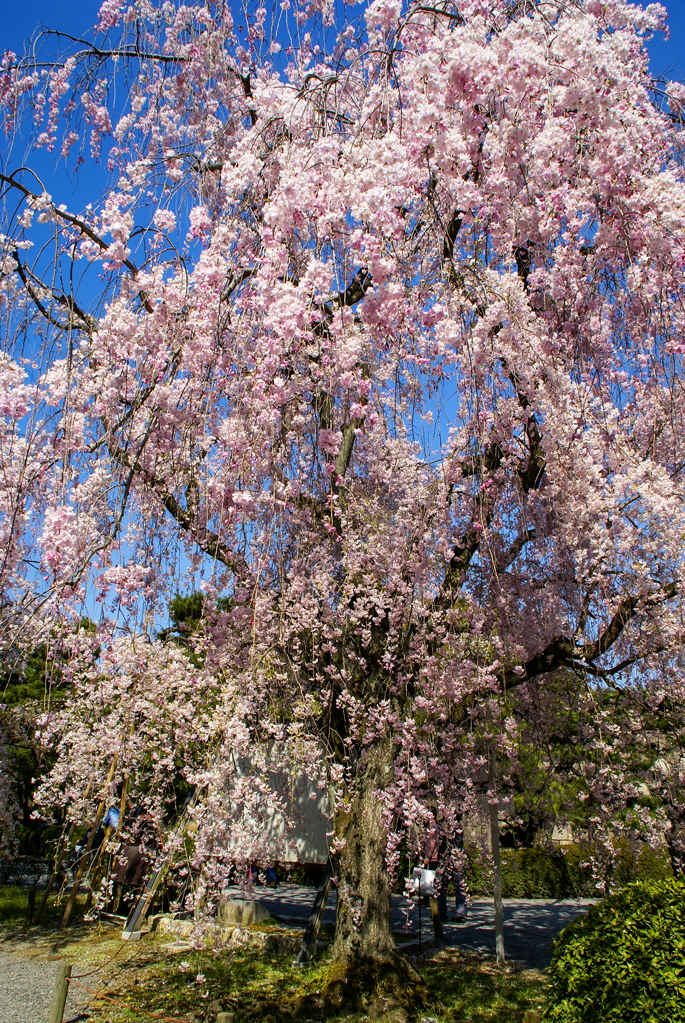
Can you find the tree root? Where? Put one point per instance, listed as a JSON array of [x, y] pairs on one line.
[[373, 985]]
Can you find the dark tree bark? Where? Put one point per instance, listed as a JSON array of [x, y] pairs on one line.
[[363, 922], [368, 971]]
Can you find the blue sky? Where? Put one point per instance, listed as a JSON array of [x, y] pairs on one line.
[[669, 56], [20, 19]]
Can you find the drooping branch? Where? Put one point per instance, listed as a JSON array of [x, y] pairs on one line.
[[207, 540], [31, 286], [530, 474], [322, 400], [82, 226], [114, 53]]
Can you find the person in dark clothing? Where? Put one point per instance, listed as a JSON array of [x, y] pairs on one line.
[[442, 855], [130, 867]]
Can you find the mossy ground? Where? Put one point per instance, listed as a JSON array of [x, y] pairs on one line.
[[160, 975]]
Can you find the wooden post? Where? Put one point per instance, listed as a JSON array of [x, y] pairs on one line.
[[116, 892], [59, 995], [225, 1017], [122, 804], [308, 945], [89, 845], [58, 863], [137, 914], [98, 869], [134, 921], [31, 906], [419, 914], [497, 873], [96, 874]]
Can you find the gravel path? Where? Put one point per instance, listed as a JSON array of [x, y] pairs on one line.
[[26, 991]]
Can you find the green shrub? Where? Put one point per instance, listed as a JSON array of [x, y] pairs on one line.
[[647, 865], [540, 873], [535, 873], [624, 960]]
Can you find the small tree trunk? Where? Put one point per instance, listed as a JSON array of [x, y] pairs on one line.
[[675, 841]]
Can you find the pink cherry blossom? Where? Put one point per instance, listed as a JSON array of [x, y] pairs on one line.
[[385, 360]]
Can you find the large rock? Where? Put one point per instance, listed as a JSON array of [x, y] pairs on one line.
[[164, 924], [279, 942], [240, 912]]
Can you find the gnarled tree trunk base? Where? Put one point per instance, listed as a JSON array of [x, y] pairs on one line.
[[375, 985]]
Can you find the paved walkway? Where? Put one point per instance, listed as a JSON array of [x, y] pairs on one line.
[[530, 925]]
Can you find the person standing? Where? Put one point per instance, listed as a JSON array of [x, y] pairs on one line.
[[444, 856]]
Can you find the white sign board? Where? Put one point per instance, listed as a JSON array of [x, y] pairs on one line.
[[264, 833]]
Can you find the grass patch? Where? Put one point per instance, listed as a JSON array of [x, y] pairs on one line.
[[262, 988], [474, 988], [14, 906], [163, 975]]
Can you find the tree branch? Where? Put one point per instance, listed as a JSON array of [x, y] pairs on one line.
[[562, 652], [87, 322], [517, 546], [209, 542], [83, 228]]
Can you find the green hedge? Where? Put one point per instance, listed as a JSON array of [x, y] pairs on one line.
[[624, 960], [538, 873]]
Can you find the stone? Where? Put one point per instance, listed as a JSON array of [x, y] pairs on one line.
[[242, 913], [167, 925], [531, 1016]]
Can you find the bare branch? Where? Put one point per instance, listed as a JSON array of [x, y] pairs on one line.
[[83, 227]]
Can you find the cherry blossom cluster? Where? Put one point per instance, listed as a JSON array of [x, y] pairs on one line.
[[386, 362]]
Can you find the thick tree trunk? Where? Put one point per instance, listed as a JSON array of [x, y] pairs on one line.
[[363, 921], [368, 973]]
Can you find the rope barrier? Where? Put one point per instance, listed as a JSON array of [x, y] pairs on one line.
[[98, 969], [125, 1005]]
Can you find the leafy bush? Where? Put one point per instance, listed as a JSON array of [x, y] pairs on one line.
[[649, 865], [540, 873], [624, 960], [534, 874]]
